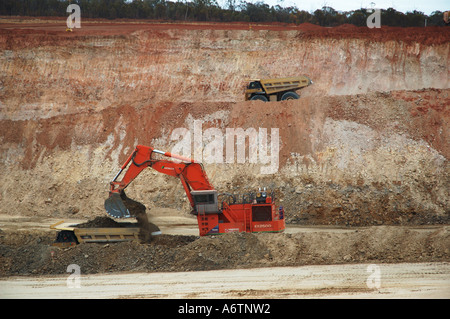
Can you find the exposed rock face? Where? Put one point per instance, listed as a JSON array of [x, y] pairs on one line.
[[367, 143]]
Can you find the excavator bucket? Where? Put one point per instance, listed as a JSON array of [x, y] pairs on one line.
[[115, 207], [120, 206]]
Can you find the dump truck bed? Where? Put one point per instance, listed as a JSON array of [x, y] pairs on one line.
[[98, 234], [284, 84], [276, 89]]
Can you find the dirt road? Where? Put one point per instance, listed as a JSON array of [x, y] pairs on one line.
[[409, 280]]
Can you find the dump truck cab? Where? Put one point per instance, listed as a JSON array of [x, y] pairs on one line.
[[254, 88], [276, 89]]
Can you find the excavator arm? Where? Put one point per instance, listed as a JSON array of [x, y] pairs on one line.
[[190, 173]]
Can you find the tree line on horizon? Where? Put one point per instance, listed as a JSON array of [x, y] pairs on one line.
[[209, 10]]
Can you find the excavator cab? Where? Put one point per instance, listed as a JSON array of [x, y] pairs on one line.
[[205, 201]]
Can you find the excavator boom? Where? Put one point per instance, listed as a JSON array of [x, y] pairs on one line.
[[191, 174]]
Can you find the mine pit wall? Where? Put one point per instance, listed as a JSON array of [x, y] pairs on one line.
[[44, 75], [366, 144]]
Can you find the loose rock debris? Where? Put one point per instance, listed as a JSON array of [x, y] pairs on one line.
[[31, 253]]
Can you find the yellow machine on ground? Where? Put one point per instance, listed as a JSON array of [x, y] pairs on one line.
[[107, 230], [276, 89], [71, 235]]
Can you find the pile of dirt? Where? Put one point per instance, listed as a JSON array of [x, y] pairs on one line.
[[101, 222], [137, 210], [31, 253], [145, 227]]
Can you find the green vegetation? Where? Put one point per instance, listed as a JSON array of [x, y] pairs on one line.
[[209, 10]]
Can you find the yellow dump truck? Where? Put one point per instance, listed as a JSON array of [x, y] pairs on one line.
[[71, 234], [276, 89]]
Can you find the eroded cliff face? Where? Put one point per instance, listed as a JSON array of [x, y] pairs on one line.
[[366, 144], [45, 75]]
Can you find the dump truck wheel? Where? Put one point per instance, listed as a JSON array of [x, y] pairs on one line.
[[290, 96], [66, 236], [259, 97]]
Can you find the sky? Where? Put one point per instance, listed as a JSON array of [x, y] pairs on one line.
[[425, 6]]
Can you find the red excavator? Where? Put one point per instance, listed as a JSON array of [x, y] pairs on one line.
[[256, 212]]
